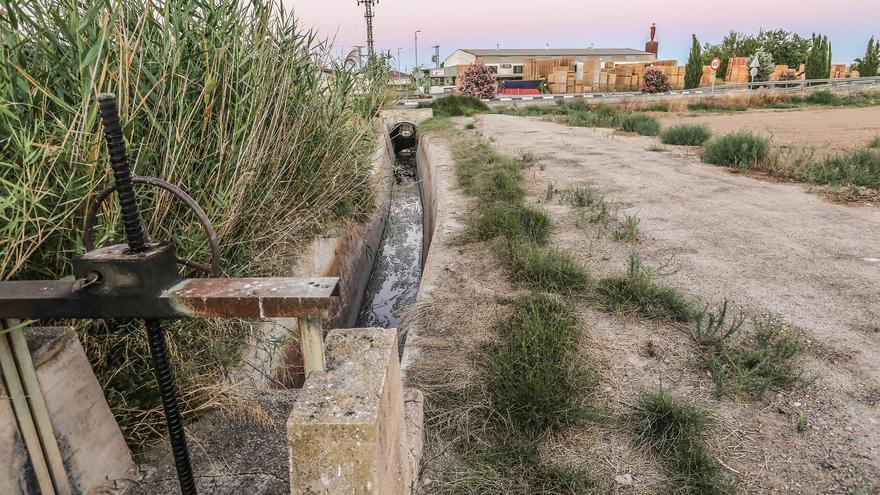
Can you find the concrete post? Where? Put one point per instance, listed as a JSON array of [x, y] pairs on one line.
[[347, 430]]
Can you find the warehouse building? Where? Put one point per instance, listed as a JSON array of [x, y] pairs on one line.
[[508, 64]]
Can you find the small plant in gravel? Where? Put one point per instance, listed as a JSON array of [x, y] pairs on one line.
[[739, 149], [745, 367], [638, 292], [686, 135], [656, 148], [545, 269], [644, 125], [677, 432], [628, 229], [536, 379], [858, 168]]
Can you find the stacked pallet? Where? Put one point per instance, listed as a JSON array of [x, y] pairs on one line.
[[839, 71], [630, 76], [707, 77], [737, 70], [541, 68]]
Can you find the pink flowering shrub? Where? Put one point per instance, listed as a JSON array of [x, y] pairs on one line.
[[655, 82], [478, 81]]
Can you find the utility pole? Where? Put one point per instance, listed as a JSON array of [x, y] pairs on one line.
[[368, 15], [398, 61], [360, 51]]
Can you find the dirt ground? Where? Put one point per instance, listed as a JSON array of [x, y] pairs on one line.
[[828, 130], [768, 248]]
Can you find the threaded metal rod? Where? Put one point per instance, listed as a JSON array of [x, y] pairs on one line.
[[136, 235], [165, 378], [131, 215]]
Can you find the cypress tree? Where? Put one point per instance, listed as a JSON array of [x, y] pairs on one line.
[[694, 70], [818, 64], [870, 64]]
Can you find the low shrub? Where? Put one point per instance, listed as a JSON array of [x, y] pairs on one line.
[[875, 143], [457, 105], [640, 123], [656, 107], [545, 269], [859, 168], [686, 135], [536, 381], [739, 149], [823, 98]]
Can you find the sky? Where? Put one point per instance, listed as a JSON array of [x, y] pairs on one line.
[[456, 24]]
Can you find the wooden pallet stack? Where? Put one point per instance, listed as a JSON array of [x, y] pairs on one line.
[[737, 70], [630, 76], [541, 68], [839, 71]]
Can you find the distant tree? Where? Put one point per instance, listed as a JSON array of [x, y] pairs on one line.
[[869, 65], [786, 48], [694, 70], [654, 81], [478, 81], [733, 45], [765, 65], [818, 64]]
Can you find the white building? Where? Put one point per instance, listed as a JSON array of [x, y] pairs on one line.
[[508, 63]]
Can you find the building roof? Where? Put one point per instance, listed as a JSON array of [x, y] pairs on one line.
[[551, 52]]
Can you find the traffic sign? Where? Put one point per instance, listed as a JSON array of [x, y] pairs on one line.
[[715, 64]]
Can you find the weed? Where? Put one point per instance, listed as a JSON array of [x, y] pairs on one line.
[[686, 135], [515, 222], [584, 197], [457, 105], [639, 292], [802, 425], [628, 229], [739, 149], [551, 191], [470, 126], [651, 349], [436, 124], [677, 431], [545, 269], [657, 107], [875, 143], [528, 158], [644, 125], [656, 148], [536, 381], [745, 367]]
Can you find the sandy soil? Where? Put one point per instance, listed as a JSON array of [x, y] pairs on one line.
[[767, 247], [839, 129]]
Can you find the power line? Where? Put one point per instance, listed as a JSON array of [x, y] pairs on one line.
[[368, 15]]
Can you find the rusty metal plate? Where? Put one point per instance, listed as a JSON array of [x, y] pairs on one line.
[[223, 297], [252, 297]]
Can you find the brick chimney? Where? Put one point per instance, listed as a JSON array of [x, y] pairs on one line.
[[652, 46]]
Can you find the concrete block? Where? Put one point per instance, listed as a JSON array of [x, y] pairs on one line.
[[94, 452], [414, 406], [347, 431]]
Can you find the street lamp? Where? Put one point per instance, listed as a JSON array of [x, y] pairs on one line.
[[417, 46], [398, 62]]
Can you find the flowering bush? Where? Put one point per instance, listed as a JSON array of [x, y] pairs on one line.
[[655, 82], [478, 81]]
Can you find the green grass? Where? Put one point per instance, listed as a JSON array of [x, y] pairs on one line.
[[227, 100], [823, 98], [536, 380], [515, 222], [677, 431], [859, 168], [644, 125], [746, 367], [708, 106], [457, 105], [545, 269], [875, 143], [656, 107], [686, 135], [739, 149], [638, 292]]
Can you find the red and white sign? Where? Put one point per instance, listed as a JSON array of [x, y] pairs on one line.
[[715, 64]]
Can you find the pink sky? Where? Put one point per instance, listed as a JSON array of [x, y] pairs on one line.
[[576, 23]]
